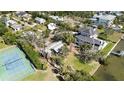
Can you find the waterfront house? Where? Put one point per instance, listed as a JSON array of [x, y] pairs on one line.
[[40, 20], [88, 35], [97, 43], [88, 31], [103, 19]]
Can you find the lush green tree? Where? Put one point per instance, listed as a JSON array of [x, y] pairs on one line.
[[100, 26], [85, 53], [46, 33], [77, 76], [64, 51], [83, 14], [3, 29], [35, 40], [33, 55], [68, 38], [65, 37], [57, 60], [10, 38]]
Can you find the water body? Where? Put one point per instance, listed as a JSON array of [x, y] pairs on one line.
[[115, 68]]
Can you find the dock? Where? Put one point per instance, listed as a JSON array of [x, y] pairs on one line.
[[118, 53]]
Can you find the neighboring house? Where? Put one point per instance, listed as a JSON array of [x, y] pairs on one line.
[[105, 20], [20, 13], [117, 13], [52, 26], [10, 22], [40, 20], [56, 46], [97, 43], [117, 27], [89, 32], [5, 19], [29, 33], [57, 18], [16, 27], [24, 15]]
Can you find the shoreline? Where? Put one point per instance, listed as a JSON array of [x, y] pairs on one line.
[[93, 71]]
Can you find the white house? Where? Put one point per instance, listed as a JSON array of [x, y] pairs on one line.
[[29, 33], [27, 17], [52, 26], [105, 20], [55, 46], [16, 27], [40, 20], [10, 22]]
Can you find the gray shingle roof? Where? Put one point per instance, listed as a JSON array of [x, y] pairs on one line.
[[84, 39], [89, 31]]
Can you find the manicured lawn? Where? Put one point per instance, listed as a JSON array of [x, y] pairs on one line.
[[27, 28], [42, 76], [36, 76], [107, 48], [100, 30], [115, 36], [115, 68], [75, 63], [112, 37]]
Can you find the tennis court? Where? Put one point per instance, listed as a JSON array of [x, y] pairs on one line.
[[14, 65]]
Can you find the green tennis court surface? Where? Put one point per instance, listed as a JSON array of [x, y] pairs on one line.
[[14, 65]]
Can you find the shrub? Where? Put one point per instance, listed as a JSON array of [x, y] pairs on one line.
[[32, 55]]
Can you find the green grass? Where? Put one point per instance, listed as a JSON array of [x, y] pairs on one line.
[[2, 45], [114, 37], [37, 76], [73, 61], [115, 68], [100, 30], [102, 36], [107, 48], [41, 27], [27, 28]]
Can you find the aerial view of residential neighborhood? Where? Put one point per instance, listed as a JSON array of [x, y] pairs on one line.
[[61, 45]]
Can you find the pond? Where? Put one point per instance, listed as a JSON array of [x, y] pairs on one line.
[[115, 68]]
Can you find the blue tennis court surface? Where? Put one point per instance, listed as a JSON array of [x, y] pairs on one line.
[[14, 65]]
